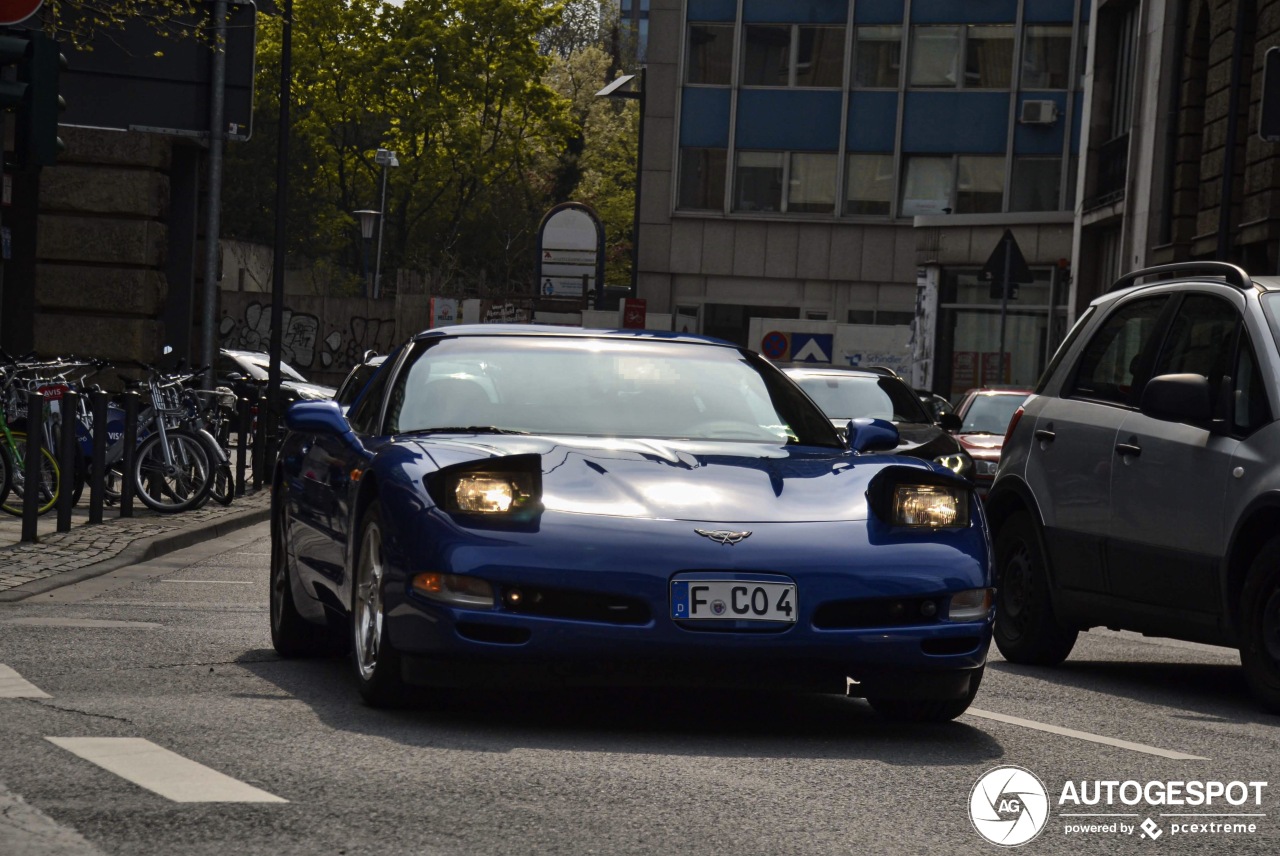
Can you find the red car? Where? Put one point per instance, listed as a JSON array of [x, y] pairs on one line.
[[984, 416]]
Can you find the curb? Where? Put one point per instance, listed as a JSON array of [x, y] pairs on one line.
[[142, 550]]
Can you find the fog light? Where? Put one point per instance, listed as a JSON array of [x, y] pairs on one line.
[[514, 597], [928, 609], [972, 605], [455, 590]]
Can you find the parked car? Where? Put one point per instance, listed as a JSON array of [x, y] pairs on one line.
[[252, 367], [515, 504], [845, 394], [984, 417], [356, 380], [1140, 486], [934, 404]]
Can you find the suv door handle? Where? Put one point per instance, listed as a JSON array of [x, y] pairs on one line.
[[1045, 435], [1129, 448]]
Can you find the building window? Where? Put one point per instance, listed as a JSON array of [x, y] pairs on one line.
[[758, 181], [877, 57], [985, 50], [870, 185], [702, 179], [710, 58], [1035, 183], [1046, 57], [927, 187], [793, 55], [811, 185], [979, 184], [884, 317]]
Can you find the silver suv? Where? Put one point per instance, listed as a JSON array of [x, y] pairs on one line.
[[1139, 487]]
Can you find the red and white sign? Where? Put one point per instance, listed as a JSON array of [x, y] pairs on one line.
[[17, 11], [633, 313]]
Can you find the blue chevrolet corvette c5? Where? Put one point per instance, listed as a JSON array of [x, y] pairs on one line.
[[511, 505]]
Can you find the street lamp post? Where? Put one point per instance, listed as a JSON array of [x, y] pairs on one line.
[[367, 220], [615, 90], [386, 159]]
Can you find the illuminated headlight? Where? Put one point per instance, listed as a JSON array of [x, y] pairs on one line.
[[986, 468], [958, 463], [492, 493], [930, 506], [455, 590], [972, 605]]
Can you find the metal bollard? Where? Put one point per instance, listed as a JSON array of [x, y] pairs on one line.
[[259, 439], [31, 472], [242, 444], [131, 400], [98, 480], [68, 454]]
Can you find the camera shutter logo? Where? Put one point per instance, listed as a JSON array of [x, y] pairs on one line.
[[1009, 806]]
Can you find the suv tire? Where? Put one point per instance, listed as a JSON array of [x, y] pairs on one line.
[[1026, 630], [1260, 625]]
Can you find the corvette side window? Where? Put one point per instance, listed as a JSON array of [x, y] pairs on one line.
[[1114, 363], [364, 416]]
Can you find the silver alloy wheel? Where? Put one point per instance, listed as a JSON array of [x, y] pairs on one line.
[[368, 605], [279, 574]]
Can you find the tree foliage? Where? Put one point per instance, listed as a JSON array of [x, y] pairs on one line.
[[79, 22]]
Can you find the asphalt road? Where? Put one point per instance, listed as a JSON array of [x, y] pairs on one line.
[[169, 726]]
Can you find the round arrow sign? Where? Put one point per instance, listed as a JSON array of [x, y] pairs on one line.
[[17, 11]]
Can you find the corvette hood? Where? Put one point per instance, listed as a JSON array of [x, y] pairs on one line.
[[713, 482]]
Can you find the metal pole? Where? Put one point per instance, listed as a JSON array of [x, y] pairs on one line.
[[97, 491], [213, 225], [635, 222], [1004, 299], [278, 255], [67, 455], [382, 220], [128, 461], [32, 471]]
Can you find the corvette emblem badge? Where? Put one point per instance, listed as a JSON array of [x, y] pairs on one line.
[[723, 536]]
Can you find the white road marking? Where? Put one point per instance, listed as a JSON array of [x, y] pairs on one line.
[[1083, 735], [78, 622], [157, 769], [213, 582], [27, 830], [13, 685]]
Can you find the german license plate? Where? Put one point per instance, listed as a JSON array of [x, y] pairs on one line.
[[741, 600]]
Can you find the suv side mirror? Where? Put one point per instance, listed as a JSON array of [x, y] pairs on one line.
[[1178, 398], [949, 422]]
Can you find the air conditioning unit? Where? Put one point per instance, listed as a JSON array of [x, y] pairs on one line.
[[1039, 112]]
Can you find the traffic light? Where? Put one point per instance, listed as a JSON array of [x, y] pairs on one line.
[[31, 92]]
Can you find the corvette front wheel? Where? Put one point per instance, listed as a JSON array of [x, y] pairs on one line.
[[377, 663]]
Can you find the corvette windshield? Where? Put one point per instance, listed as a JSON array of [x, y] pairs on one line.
[[600, 387]]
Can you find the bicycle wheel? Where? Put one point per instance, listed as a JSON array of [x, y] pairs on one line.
[[6, 467], [223, 487], [15, 460], [173, 476]]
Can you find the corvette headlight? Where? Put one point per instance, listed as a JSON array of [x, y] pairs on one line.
[[482, 493], [509, 488], [958, 462], [929, 506]]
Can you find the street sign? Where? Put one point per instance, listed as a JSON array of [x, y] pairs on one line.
[[775, 345], [811, 347], [1007, 256], [17, 11], [633, 313], [570, 252]]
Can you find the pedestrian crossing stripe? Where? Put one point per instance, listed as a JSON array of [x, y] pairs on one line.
[[13, 685]]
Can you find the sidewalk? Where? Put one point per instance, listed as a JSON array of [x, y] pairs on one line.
[[58, 559]]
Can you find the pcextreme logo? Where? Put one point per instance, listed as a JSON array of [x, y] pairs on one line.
[[1009, 806]]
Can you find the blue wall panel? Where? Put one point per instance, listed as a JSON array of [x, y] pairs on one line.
[[878, 11], [713, 10], [779, 119], [967, 12], [966, 122], [1050, 11], [1041, 139], [872, 121], [704, 118], [795, 11]]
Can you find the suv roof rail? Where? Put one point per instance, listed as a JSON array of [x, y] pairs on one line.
[[1233, 274], [880, 370]]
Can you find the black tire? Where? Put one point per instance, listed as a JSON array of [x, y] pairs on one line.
[[377, 663], [291, 634], [185, 486], [223, 489], [1026, 630], [928, 709], [1260, 626], [12, 502]]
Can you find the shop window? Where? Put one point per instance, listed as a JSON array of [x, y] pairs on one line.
[[984, 50], [792, 55], [710, 56], [869, 179], [979, 184], [1035, 183], [811, 186], [702, 174], [877, 57], [758, 181], [1046, 57]]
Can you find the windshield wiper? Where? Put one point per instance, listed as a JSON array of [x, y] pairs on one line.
[[467, 429]]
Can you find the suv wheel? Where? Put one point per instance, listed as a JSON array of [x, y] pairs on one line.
[[1260, 623], [1026, 630]]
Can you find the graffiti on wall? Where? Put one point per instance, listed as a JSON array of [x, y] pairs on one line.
[[302, 342]]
